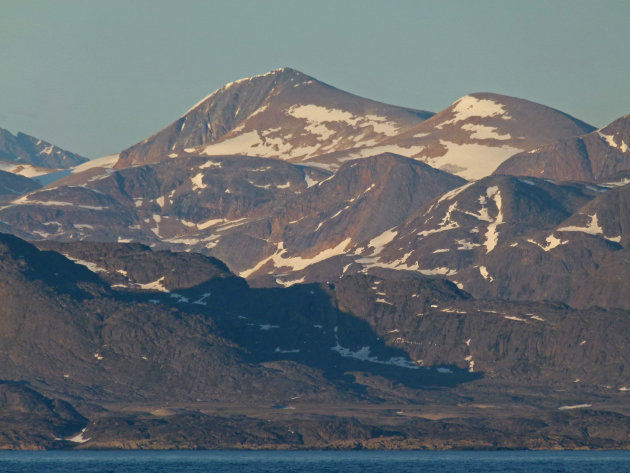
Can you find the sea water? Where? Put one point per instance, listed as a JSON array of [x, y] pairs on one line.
[[315, 461]]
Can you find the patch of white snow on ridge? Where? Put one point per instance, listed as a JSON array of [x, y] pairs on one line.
[[379, 242], [317, 116], [291, 282], [450, 195], [88, 264], [25, 170], [612, 142], [592, 228], [441, 271], [54, 203], [210, 164], [239, 144], [445, 224], [492, 236], [552, 242], [106, 162], [310, 182], [413, 151], [197, 182], [483, 132], [575, 406], [619, 183], [154, 285], [484, 273], [471, 161], [469, 107], [296, 263]]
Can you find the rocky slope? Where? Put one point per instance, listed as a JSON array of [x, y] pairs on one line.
[[67, 332], [29, 420], [288, 115], [195, 350], [28, 156], [13, 185], [242, 210], [283, 114], [473, 136], [598, 156]]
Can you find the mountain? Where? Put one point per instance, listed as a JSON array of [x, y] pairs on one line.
[[13, 185], [452, 231], [291, 266], [239, 209], [474, 135], [582, 261], [283, 113], [597, 156], [29, 156], [288, 115]]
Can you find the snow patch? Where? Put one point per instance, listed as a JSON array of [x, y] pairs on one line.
[[472, 107], [552, 242], [291, 282], [612, 141], [492, 236], [472, 161], [296, 263], [574, 406], [154, 285], [197, 182], [106, 162], [210, 164], [484, 273], [79, 438], [483, 132], [379, 242], [363, 354]]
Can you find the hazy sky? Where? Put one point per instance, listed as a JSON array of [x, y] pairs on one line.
[[98, 76]]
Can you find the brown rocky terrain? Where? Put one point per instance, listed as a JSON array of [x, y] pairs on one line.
[[141, 363], [597, 156], [29, 420], [25, 155], [12, 185], [283, 113], [473, 136]]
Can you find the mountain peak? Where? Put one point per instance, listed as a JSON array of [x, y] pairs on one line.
[[28, 150], [280, 75], [283, 114]]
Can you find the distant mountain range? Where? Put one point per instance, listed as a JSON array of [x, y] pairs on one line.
[[292, 253]]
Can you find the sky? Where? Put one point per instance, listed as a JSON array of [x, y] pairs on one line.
[[96, 77]]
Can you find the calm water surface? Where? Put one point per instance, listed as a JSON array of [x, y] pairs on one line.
[[289, 462]]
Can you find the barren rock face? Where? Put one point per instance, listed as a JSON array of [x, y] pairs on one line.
[[598, 156], [27, 150], [283, 114]]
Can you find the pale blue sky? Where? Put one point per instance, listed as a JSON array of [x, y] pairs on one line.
[[97, 76]]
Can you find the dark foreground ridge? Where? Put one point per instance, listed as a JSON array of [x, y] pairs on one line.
[[106, 361]]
